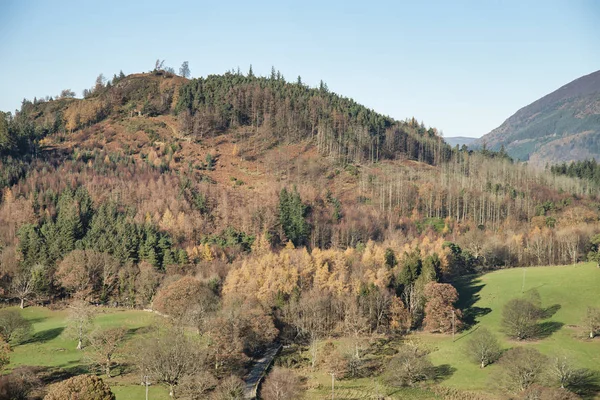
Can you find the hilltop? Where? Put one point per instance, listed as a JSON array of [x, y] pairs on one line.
[[562, 126]]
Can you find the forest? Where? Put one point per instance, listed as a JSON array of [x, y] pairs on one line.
[[250, 211]]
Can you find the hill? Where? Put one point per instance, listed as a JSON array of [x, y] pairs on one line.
[[562, 126], [241, 206], [459, 140]]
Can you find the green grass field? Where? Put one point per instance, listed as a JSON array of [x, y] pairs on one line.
[[568, 289], [52, 348]]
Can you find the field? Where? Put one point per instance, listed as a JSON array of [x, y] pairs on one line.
[[51, 347], [565, 290]]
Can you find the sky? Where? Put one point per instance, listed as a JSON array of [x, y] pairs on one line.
[[460, 66]]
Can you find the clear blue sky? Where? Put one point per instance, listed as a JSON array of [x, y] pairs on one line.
[[461, 66]]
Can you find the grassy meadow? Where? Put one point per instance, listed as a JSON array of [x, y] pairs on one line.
[[566, 292], [52, 348]]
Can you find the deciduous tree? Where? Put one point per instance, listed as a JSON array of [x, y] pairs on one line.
[[521, 368], [184, 70], [89, 387], [168, 356], [519, 319], [483, 347], [105, 345], [440, 314], [14, 328], [409, 366], [281, 384], [592, 321], [79, 321], [4, 354]]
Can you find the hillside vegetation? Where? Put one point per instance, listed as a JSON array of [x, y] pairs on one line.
[[562, 126], [250, 209]]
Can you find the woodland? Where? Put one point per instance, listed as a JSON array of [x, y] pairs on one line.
[[250, 210]]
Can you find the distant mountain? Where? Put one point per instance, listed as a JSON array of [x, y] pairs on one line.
[[459, 140], [562, 126]]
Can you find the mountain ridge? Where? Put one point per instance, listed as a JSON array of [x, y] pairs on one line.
[[562, 126]]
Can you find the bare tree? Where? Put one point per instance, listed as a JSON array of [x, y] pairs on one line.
[[80, 320], [519, 318], [592, 321], [355, 323], [281, 384], [159, 65], [409, 366], [196, 387], [169, 356], [184, 70], [23, 286], [521, 368], [483, 347], [67, 94], [562, 370], [104, 346], [231, 388]]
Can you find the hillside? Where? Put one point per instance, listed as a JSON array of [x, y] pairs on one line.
[[562, 126], [251, 210], [459, 140]]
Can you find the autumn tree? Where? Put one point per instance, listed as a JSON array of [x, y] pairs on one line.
[[89, 387], [483, 347], [79, 321], [519, 318], [281, 384], [400, 318], [104, 346], [187, 300], [14, 328], [521, 367], [409, 366], [86, 272], [4, 354], [440, 314], [22, 383], [539, 392]]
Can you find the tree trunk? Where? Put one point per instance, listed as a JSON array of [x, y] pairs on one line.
[[108, 368], [592, 334], [482, 364], [22, 303], [79, 344]]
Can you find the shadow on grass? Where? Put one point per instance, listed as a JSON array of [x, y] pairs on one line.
[[47, 335], [49, 375], [468, 288], [550, 311], [466, 334], [546, 329], [443, 372], [585, 383]]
